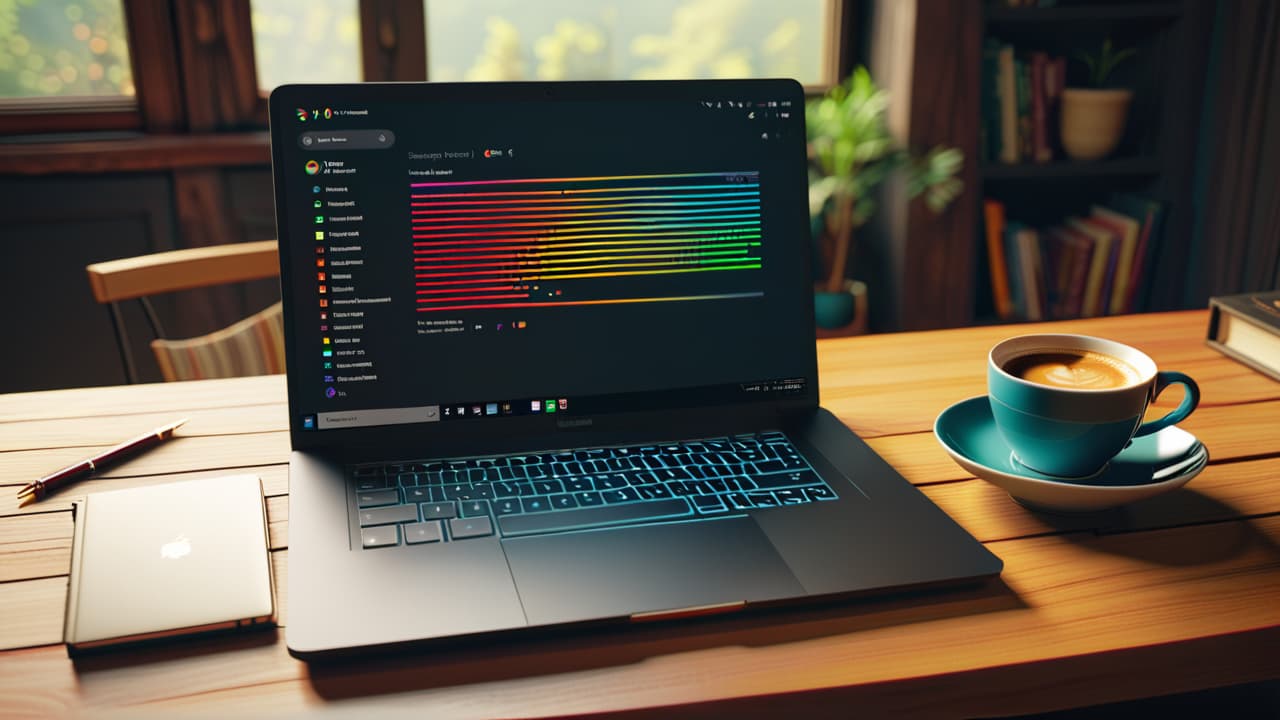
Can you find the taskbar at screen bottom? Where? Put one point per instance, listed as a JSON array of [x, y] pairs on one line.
[[488, 409]]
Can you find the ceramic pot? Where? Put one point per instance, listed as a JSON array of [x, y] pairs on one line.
[[845, 311], [1092, 121]]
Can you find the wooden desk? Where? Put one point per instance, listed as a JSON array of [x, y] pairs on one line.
[[1178, 593]]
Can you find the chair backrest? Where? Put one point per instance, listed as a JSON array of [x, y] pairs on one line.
[[253, 346]]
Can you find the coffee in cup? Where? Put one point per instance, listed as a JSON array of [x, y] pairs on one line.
[[1067, 404], [1080, 370]]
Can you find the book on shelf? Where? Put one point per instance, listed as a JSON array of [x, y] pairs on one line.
[[1247, 327], [1101, 267], [1083, 266], [1149, 213], [1126, 228], [1007, 92], [993, 217], [1021, 94]]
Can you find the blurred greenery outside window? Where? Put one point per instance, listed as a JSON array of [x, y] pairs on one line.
[[306, 41], [318, 40], [63, 48], [628, 39]]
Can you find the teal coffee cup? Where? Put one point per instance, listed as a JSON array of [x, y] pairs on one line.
[[1067, 404]]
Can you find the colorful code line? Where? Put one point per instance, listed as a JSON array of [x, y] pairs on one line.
[[553, 242]]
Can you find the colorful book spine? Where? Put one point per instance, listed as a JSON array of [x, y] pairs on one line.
[[1091, 304], [1008, 107], [1127, 229], [993, 214], [1032, 270], [1016, 291], [1039, 108], [1023, 75]]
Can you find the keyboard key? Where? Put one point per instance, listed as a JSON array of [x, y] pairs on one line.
[[587, 499], [563, 501], [423, 532], [821, 492], [577, 484], [460, 528], [439, 511], [653, 492], [589, 517], [407, 479], [763, 499], [431, 478], [786, 479], [372, 537], [475, 508], [374, 498], [791, 496], [459, 491], [483, 491], [506, 507], [770, 466], [611, 482], [707, 504], [372, 482], [547, 487], [506, 489], [717, 485], [621, 495], [739, 501], [535, 504], [389, 515], [417, 494], [680, 488]]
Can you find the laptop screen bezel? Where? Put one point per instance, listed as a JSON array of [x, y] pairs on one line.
[[534, 430]]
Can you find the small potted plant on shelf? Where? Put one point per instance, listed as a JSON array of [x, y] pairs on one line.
[[851, 153], [1093, 117]]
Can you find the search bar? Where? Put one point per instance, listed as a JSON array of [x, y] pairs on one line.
[[346, 140]]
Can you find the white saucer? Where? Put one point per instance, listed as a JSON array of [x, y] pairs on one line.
[[1150, 466]]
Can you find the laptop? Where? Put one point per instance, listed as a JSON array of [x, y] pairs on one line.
[[551, 363]]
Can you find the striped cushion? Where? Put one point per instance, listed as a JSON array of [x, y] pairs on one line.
[[253, 346]]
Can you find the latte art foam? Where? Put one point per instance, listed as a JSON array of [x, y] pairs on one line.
[[1077, 370]]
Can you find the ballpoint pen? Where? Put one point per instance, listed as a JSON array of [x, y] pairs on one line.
[[84, 468]]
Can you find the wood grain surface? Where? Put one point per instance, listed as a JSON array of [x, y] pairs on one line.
[[1175, 593]]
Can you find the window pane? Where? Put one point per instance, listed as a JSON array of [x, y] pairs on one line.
[[60, 48], [627, 39], [306, 41]]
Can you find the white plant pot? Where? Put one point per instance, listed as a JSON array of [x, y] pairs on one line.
[[1093, 121]]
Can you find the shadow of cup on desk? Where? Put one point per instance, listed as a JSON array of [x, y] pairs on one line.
[[1067, 404]]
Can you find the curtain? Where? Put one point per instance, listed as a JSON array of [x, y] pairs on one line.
[[1237, 235]]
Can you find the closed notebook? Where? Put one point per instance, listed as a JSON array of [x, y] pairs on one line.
[[167, 560]]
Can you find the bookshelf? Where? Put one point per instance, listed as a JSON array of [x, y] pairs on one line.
[[1146, 163], [941, 263]]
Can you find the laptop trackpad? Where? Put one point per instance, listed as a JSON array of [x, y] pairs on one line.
[[611, 573]]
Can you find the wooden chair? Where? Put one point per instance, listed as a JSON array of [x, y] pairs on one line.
[[253, 346]]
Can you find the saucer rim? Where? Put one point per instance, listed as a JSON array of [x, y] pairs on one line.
[[956, 455]]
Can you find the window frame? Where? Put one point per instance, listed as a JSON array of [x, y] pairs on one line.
[[194, 68]]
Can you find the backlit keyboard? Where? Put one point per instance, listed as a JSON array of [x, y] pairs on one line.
[[527, 494]]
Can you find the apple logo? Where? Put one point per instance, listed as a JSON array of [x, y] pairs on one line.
[[176, 548]]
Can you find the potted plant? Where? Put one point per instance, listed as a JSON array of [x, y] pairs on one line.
[[1093, 117], [851, 153]]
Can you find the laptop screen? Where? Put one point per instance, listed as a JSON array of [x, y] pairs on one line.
[[471, 254]]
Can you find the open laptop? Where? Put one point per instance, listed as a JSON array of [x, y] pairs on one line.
[[551, 362]]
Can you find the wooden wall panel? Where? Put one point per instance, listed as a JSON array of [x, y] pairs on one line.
[[57, 224], [54, 227]]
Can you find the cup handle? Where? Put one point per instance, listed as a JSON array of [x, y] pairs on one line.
[[1189, 402]]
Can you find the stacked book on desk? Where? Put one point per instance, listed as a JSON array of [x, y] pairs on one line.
[[1086, 265], [1020, 98]]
